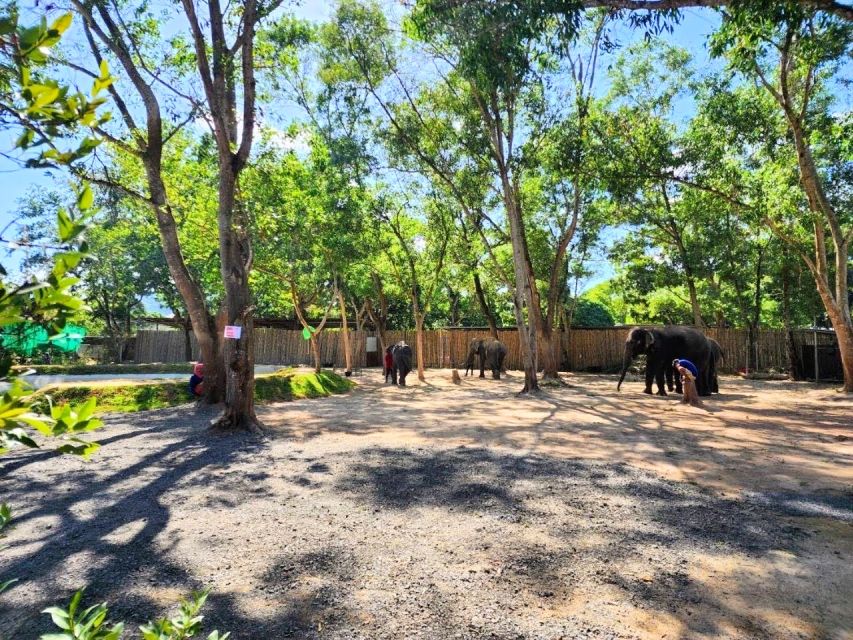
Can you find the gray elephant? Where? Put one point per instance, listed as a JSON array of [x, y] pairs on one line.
[[491, 352], [673, 381], [401, 362], [717, 357], [661, 347]]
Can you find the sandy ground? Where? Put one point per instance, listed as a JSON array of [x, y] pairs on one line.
[[444, 511]]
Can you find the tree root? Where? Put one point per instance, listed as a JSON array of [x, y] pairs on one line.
[[227, 424]]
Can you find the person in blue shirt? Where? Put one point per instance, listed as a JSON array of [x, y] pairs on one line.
[[197, 380], [688, 372]]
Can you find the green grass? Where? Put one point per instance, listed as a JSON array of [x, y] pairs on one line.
[[282, 386], [86, 369]]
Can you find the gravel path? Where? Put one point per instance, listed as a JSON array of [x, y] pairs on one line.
[[454, 512]]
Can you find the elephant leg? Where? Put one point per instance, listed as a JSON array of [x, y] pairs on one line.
[[659, 378], [650, 375], [394, 375], [482, 368], [669, 376], [677, 380]]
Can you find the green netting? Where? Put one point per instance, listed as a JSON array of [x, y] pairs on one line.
[[25, 339], [70, 339]]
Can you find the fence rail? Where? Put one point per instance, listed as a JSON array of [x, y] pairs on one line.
[[583, 349]]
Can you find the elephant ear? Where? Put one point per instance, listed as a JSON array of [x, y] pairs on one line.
[[650, 339]]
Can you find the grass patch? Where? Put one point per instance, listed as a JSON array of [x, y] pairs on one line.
[[90, 369], [281, 386]]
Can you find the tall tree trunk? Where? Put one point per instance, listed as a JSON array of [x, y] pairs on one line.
[[484, 306], [835, 302], [548, 353], [238, 355], [419, 336], [526, 294], [202, 322], [345, 333], [794, 367]]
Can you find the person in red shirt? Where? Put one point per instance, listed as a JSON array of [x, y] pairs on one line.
[[389, 363]]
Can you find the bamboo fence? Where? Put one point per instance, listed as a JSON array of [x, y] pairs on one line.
[[597, 350]]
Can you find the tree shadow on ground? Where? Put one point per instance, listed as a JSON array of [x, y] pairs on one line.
[[107, 518], [638, 519]]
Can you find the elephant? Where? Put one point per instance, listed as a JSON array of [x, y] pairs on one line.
[[717, 357], [661, 347], [491, 352], [673, 383], [401, 362]]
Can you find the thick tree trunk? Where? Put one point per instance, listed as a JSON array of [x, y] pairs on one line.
[[843, 332], [484, 306], [345, 333], [238, 355], [548, 353]]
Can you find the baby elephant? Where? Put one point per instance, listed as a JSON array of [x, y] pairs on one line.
[[401, 362]]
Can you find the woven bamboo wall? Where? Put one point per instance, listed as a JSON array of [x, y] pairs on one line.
[[583, 349]]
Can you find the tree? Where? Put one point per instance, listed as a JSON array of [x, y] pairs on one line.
[[308, 222], [416, 249], [129, 42], [793, 53]]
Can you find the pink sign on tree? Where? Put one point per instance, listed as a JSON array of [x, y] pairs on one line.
[[233, 331]]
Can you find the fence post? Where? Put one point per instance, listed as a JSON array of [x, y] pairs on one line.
[[816, 372]]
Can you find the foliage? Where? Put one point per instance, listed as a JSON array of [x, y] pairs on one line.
[[589, 313], [92, 623]]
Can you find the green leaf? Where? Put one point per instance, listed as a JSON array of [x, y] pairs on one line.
[[86, 198], [7, 584], [59, 616]]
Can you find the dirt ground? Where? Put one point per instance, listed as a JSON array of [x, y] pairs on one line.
[[444, 511]]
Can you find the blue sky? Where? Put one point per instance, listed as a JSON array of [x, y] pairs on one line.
[[691, 34]]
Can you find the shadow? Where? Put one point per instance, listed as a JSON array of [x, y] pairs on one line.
[[448, 510], [106, 521]]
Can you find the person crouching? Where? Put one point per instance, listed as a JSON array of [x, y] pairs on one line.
[[197, 380], [688, 372]]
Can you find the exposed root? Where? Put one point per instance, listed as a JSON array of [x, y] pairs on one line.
[[228, 424]]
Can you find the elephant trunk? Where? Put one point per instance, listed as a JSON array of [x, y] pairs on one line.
[[625, 364]]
